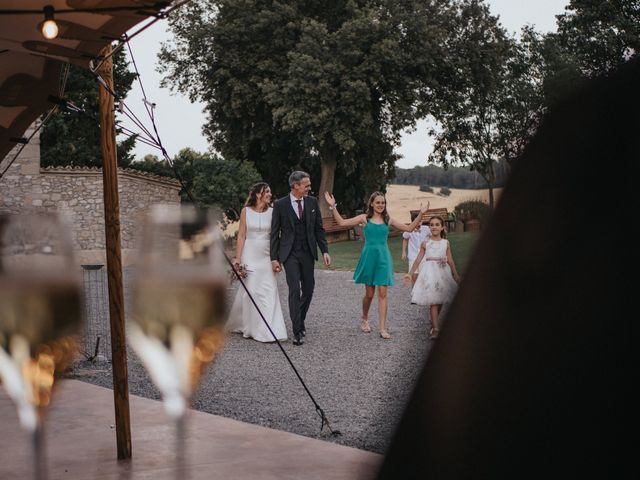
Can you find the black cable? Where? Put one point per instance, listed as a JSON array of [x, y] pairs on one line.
[[25, 141], [64, 75], [160, 15], [319, 410]]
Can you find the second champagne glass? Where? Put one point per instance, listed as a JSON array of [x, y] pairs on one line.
[[178, 304]]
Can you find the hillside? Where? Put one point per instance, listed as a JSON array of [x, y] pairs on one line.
[[402, 198]]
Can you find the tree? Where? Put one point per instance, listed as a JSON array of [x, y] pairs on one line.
[[520, 96], [494, 102], [216, 181], [211, 180], [602, 34], [72, 139], [326, 85]]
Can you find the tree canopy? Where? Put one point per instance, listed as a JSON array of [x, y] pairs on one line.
[[72, 139], [211, 179], [472, 109], [324, 86], [601, 34]]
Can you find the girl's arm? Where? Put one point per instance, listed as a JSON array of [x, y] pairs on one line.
[[452, 264], [242, 235], [414, 267], [343, 222], [404, 247], [413, 225]]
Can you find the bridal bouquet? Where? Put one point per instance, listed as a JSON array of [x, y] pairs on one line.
[[241, 269]]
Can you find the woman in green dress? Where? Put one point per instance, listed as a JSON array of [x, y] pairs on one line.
[[375, 267]]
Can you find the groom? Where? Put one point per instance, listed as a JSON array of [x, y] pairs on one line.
[[296, 234]]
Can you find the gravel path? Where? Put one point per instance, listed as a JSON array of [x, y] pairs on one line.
[[361, 381]]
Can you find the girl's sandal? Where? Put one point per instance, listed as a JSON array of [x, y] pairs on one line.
[[384, 334], [433, 333], [364, 326]]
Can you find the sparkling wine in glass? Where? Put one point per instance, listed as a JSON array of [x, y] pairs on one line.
[[178, 303], [40, 305]]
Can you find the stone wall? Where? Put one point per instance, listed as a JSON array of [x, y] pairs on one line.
[[76, 193]]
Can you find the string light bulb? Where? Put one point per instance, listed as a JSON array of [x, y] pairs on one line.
[[49, 27]]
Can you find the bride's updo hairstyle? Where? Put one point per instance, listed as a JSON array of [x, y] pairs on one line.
[[255, 189]]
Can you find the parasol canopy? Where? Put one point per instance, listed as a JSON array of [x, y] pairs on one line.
[[31, 66]]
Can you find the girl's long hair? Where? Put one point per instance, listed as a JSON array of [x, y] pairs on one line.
[[370, 211], [255, 189], [443, 234]]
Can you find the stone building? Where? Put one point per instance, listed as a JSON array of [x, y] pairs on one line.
[[76, 193]]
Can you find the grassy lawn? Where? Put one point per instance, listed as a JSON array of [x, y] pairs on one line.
[[344, 255]]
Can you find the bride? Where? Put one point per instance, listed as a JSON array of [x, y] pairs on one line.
[[253, 251]]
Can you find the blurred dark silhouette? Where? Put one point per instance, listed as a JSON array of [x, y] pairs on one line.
[[531, 374]]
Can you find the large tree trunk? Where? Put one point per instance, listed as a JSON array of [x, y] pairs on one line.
[[489, 177], [328, 162]]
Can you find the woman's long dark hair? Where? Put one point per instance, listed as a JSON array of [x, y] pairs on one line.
[[370, 210], [255, 189]]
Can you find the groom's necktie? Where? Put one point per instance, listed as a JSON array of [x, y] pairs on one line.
[[299, 202]]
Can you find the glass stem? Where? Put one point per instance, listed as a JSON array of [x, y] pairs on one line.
[[39, 456], [181, 471]]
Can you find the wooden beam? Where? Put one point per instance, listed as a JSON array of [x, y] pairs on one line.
[[114, 258]]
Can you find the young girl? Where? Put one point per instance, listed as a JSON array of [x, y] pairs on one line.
[[375, 267], [438, 278]]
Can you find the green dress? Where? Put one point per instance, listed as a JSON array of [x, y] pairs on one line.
[[375, 266]]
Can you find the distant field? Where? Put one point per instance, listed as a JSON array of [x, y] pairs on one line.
[[402, 198]]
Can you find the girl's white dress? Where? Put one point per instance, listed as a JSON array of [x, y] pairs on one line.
[[435, 284], [261, 282]]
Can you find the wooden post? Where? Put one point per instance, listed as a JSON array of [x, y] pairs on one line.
[[114, 258]]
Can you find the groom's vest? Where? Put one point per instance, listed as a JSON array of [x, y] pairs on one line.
[[300, 241]]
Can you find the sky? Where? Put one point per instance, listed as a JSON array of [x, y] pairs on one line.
[[179, 121]]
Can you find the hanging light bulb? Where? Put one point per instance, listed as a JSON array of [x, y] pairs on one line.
[[49, 27]]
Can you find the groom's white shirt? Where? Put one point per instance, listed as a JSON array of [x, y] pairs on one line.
[[294, 204]]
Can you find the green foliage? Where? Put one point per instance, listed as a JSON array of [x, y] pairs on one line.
[[426, 188], [444, 191], [213, 180], [152, 164], [72, 139], [472, 210], [298, 84], [601, 35], [492, 107]]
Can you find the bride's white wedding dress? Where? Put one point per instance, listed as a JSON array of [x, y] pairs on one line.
[[261, 282]]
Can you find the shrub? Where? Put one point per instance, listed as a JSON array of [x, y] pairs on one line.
[[426, 188], [472, 210], [444, 191]]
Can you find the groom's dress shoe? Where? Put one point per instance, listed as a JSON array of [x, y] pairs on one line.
[[297, 340]]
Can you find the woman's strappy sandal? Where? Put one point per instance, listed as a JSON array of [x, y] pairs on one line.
[[384, 334], [364, 326], [433, 333]]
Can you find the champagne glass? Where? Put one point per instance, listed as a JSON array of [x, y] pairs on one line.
[[40, 305], [178, 304]]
